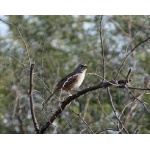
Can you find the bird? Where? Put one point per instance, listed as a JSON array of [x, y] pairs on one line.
[[70, 82]]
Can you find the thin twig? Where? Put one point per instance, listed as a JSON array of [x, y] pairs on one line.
[[124, 109], [79, 115], [19, 118], [39, 79], [120, 28], [25, 66], [117, 83], [43, 82], [123, 63], [115, 112], [127, 77], [36, 126], [108, 129], [105, 112], [83, 130], [102, 46], [132, 108], [136, 98], [136, 33], [20, 35], [95, 74], [146, 89]]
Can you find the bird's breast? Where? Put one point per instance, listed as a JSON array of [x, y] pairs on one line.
[[79, 80]]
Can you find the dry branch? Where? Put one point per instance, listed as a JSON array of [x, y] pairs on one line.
[[79, 115], [102, 46], [36, 126], [120, 124], [20, 35], [123, 63], [76, 95]]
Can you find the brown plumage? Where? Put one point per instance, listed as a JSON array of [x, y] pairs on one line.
[[71, 81]]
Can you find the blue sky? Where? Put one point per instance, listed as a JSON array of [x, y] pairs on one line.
[[3, 27]]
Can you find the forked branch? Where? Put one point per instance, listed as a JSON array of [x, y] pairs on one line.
[[76, 95]]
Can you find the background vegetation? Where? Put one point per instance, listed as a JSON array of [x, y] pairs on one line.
[[56, 45]]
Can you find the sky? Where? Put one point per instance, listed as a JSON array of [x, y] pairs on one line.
[[3, 27]]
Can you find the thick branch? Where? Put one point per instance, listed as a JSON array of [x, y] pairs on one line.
[[36, 126], [78, 94]]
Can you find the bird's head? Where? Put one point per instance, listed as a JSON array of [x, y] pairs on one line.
[[81, 68]]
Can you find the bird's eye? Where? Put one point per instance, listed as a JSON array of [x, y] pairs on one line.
[[83, 66]]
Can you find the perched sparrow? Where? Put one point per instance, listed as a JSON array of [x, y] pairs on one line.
[[71, 81]]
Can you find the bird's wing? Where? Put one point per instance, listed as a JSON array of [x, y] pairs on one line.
[[67, 80]]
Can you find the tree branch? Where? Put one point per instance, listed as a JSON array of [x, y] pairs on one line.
[[136, 98], [102, 46], [115, 112], [20, 35], [79, 115], [36, 126], [123, 63], [76, 95]]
